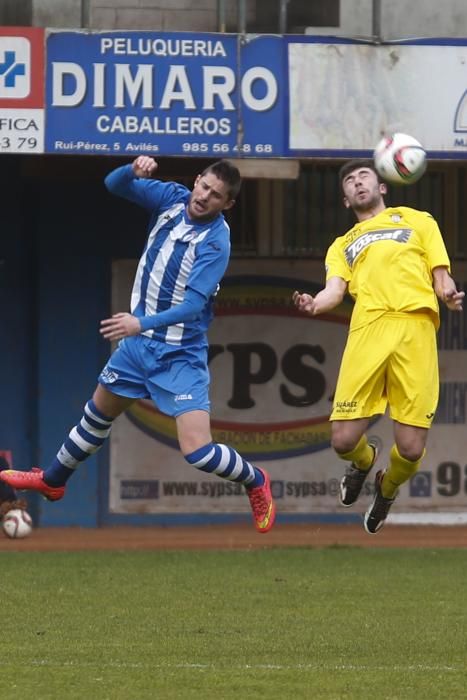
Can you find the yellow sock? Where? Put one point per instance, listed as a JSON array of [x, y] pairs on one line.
[[399, 471], [362, 455]]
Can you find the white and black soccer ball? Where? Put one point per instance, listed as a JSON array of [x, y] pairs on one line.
[[400, 159], [17, 524]]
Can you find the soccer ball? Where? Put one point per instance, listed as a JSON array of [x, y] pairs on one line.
[[400, 159], [17, 524]]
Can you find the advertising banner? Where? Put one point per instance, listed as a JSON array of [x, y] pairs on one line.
[[21, 90], [345, 95], [227, 95], [273, 375], [165, 94]]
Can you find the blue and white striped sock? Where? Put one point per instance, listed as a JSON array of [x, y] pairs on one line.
[[226, 463], [84, 439]]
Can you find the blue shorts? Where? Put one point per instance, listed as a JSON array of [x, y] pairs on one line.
[[176, 379]]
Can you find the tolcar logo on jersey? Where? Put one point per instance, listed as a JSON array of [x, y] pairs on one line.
[[273, 371]]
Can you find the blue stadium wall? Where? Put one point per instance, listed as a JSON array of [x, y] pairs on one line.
[[61, 230]]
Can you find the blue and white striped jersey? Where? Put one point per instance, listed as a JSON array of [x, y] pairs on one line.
[[179, 254]]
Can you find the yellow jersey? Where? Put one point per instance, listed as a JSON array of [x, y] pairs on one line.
[[387, 262]]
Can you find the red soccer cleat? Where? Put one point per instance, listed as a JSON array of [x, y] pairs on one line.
[[32, 481], [262, 505]]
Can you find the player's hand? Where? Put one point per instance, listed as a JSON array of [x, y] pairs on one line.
[[120, 326], [144, 166], [304, 302], [454, 300]]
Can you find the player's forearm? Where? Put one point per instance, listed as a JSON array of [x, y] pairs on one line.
[[326, 300], [442, 282], [188, 310], [446, 290]]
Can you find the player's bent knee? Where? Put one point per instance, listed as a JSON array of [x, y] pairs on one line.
[[345, 435], [342, 444], [412, 454]]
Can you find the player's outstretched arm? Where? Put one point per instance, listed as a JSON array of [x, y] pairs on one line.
[[446, 290], [123, 325], [327, 299]]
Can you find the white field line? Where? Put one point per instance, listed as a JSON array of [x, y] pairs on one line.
[[422, 668]]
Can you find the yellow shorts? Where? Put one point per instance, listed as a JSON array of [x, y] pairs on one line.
[[393, 360]]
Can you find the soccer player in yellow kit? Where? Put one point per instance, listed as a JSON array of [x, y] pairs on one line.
[[394, 264]]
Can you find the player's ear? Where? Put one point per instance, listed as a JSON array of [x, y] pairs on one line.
[[383, 188], [229, 205], [346, 203]]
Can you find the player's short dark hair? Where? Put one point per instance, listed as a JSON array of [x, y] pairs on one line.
[[226, 171], [354, 164]]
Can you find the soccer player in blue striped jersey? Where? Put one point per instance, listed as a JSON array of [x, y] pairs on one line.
[[163, 347]]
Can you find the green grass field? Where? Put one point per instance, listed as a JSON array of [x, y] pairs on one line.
[[335, 623]]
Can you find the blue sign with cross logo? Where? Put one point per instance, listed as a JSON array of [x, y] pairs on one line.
[[10, 69]]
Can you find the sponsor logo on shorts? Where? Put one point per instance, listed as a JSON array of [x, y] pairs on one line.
[[109, 376], [184, 397], [346, 406]]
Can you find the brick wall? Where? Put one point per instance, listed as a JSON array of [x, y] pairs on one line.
[[162, 15], [158, 15]]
